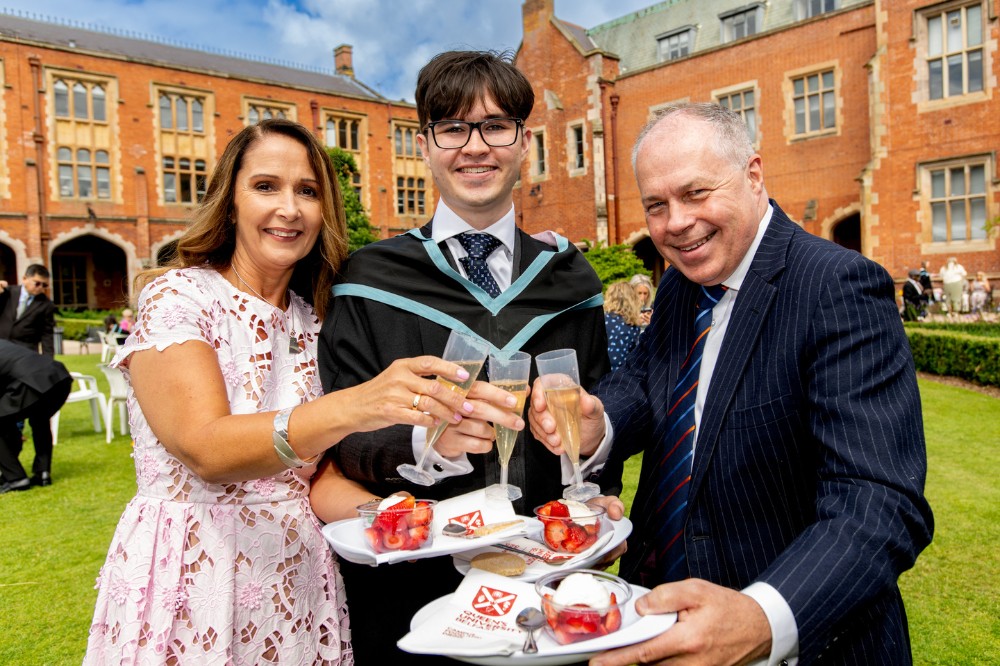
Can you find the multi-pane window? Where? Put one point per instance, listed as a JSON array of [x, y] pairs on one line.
[[539, 157], [405, 141], [258, 111], [958, 202], [740, 24], [577, 147], [69, 280], [815, 102], [743, 103], [675, 45], [955, 52], [81, 100], [183, 179], [346, 133], [808, 8], [411, 194], [182, 113], [83, 173], [82, 152]]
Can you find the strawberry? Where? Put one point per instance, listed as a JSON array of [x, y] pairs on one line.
[[559, 510], [393, 541], [592, 529], [388, 518], [576, 537], [613, 619], [421, 514], [555, 533], [373, 538], [417, 536]]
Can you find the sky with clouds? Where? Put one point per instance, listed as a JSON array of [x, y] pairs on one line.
[[392, 39]]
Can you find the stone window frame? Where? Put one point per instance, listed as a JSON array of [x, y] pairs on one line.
[[262, 106], [742, 89], [411, 196], [357, 140], [538, 155], [923, 194], [576, 148], [404, 142], [920, 41], [77, 134], [192, 143], [789, 93]]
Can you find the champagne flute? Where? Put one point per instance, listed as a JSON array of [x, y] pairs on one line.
[[560, 379], [470, 353], [509, 371]]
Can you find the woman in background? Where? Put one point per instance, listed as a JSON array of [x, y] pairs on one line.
[[643, 287], [621, 319]]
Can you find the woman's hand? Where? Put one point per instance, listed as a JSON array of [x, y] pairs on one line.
[[475, 433], [404, 394]]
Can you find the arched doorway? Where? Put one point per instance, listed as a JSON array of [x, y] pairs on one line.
[[847, 232], [89, 273], [651, 259], [8, 265]]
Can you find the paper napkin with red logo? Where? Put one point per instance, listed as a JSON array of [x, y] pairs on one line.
[[472, 510], [477, 620]]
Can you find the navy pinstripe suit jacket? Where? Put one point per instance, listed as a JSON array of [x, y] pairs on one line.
[[810, 461]]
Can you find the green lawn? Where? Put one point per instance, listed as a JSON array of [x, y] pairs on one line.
[[54, 539]]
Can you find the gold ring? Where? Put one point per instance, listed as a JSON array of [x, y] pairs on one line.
[[416, 400]]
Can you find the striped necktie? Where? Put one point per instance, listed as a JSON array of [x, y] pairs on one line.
[[677, 451], [479, 247]]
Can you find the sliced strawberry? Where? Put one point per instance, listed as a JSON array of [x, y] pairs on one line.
[[421, 514], [417, 536], [613, 618], [393, 541], [555, 533], [374, 540], [575, 539], [558, 509], [388, 518], [592, 528], [551, 615], [581, 619]]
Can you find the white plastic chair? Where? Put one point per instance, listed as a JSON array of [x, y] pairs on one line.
[[119, 396], [87, 390], [109, 346]]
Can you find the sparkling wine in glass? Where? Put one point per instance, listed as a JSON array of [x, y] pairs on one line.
[[470, 353], [509, 371], [560, 378]]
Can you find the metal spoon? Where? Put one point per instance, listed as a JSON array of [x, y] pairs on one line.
[[530, 620]]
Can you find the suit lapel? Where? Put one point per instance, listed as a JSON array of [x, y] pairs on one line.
[[753, 304]]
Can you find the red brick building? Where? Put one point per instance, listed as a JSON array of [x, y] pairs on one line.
[[877, 120], [106, 141]]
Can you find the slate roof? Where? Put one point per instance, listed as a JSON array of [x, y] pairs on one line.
[[633, 37], [144, 50]]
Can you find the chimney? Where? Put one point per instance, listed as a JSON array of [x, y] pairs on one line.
[[343, 61], [536, 14]]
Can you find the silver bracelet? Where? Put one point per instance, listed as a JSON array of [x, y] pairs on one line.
[[280, 439]]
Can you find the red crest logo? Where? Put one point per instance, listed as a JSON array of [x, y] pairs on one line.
[[494, 603], [471, 520]]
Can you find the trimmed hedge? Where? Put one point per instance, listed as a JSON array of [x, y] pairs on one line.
[[980, 328], [955, 353], [76, 329]]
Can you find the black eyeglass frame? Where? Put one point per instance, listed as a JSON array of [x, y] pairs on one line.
[[518, 123]]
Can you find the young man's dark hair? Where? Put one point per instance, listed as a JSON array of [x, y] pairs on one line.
[[452, 82], [37, 270]]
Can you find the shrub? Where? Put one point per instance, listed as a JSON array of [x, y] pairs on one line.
[[76, 329], [979, 328], [956, 354], [614, 262]]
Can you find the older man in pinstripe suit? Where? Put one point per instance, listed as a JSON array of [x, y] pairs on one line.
[[805, 500]]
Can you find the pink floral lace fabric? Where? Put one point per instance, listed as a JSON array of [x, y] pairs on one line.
[[234, 573]]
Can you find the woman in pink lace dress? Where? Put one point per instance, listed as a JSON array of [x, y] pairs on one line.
[[219, 558]]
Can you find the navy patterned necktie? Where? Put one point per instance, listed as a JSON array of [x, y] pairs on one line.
[[479, 247], [677, 450]]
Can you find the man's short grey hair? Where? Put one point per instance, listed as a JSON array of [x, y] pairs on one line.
[[731, 139]]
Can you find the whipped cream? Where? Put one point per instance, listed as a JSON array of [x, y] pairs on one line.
[[582, 588], [391, 500], [580, 513]]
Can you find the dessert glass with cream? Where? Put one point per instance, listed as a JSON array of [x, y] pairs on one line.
[[584, 604]]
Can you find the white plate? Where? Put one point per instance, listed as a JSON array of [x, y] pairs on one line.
[[347, 539], [621, 529], [635, 629]]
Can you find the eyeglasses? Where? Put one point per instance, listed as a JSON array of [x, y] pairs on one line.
[[43, 285], [495, 132]]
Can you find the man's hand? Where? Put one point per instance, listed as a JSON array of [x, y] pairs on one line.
[[474, 434], [715, 625], [543, 424]]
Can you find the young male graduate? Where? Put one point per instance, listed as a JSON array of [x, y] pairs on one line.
[[469, 269]]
